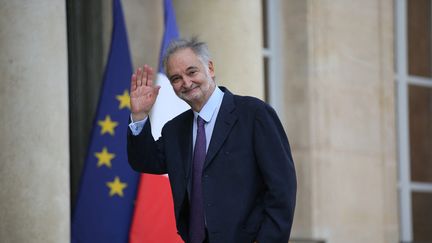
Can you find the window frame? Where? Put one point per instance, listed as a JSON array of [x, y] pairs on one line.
[[403, 80]]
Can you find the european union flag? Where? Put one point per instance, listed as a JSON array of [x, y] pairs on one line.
[[108, 185]]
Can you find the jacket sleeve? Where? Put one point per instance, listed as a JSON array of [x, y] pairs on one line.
[[275, 162], [144, 153]]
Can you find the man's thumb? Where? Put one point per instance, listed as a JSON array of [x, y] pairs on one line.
[[157, 89]]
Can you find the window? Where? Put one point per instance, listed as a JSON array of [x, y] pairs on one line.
[[414, 107], [273, 85]]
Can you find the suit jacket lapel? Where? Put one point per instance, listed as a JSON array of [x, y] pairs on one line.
[[185, 140], [225, 120]]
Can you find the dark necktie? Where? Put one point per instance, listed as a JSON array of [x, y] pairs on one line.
[[197, 225]]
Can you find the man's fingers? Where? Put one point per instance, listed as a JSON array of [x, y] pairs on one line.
[[139, 76], [150, 76], [133, 82], [144, 77]]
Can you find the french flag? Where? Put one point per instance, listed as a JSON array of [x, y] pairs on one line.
[[153, 220]]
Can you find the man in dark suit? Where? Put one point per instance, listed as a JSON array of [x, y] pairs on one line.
[[228, 158]]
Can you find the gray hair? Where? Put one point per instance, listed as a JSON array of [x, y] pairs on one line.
[[198, 47]]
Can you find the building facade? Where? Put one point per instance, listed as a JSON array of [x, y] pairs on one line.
[[351, 81]]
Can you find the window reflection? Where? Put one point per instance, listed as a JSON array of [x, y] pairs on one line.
[[420, 124], [422, 216], [419, 38]]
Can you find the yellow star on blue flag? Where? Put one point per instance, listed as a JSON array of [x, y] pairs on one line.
[[116, 187], [107, 125], [124, 100], [104, 157]]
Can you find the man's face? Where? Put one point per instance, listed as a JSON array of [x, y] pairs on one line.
[[192, 81]]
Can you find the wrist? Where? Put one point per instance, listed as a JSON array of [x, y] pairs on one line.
[[138, 116]]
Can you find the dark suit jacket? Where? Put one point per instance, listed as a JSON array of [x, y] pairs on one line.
[[249, 181]]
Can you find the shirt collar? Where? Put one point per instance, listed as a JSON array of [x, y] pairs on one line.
[[211, 106]]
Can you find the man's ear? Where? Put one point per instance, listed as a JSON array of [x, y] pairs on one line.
[[211, 69]]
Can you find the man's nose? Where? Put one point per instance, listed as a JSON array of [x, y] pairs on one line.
[[187, 82]]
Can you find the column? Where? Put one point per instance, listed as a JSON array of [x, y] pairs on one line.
[[232, 30], [34, 137], [338, 65]]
